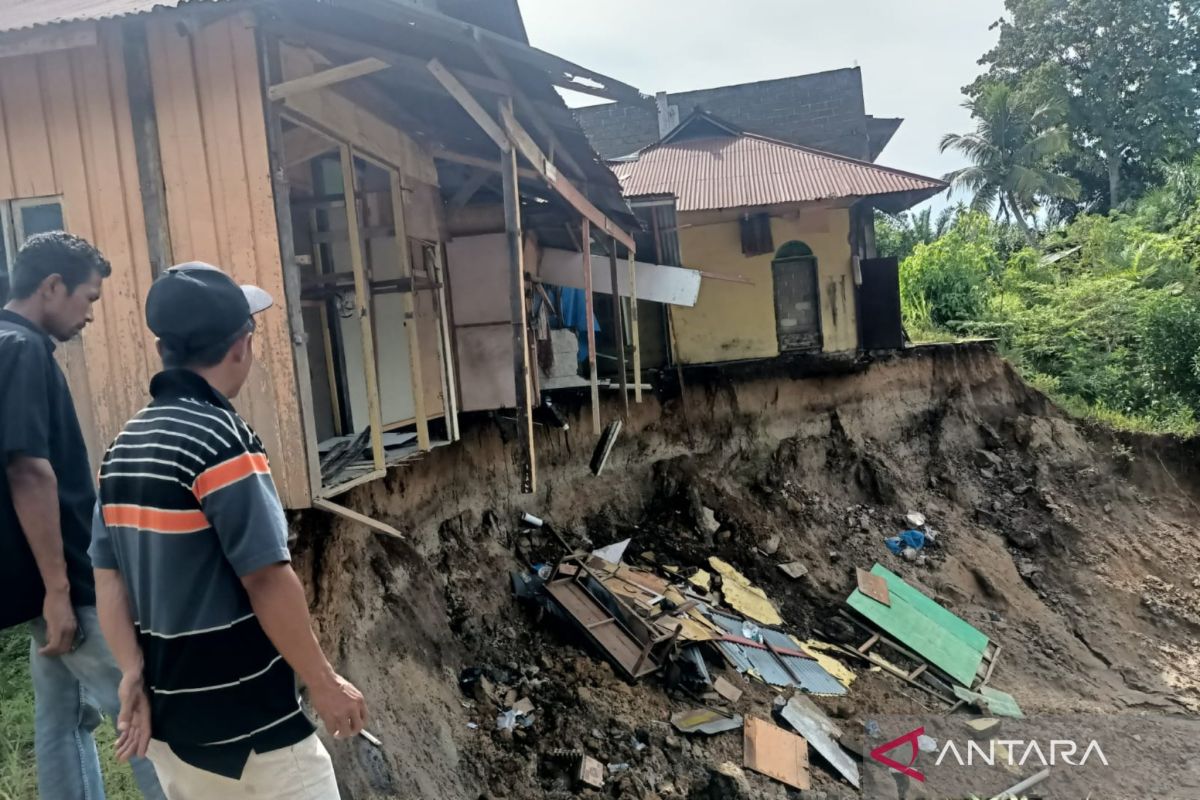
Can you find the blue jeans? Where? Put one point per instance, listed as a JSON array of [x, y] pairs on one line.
[[70, 691]]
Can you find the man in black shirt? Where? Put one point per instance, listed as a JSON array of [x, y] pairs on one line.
[[47, 496]]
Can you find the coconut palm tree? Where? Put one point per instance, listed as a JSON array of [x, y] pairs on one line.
[[1011, 152]]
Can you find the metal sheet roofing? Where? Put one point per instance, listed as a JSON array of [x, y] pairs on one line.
[[17, 15], [743, 170]]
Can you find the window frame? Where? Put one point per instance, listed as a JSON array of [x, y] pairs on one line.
[[12, 227]]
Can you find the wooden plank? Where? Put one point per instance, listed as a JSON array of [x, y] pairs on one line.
[[539, 122], [48, 40], [66, 150], [634, 330], [530, 150], [465, 99], [6, 177], [362, 300], [146, 147], [445, 345], [466, 159], [527, 455], [776, 753], [361, 519], [940, 616], [410, 317], [618, 331], [26, 131], [874, 587], [280, 344], [908, 626], [590, 322], [301, 145], [327, 77]]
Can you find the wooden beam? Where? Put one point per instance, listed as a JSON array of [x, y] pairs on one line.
[[362, 298], [589, 316], [473, 184], [49, 40], [301, 145], [467, 100], [146, 147], [444, 154], [633, 329], [445, 346], [516, 266], [408, 305], [327, 77], [271, 69], [541, 125], [618, 329], [361, 519], [558, 70], [576, 199]]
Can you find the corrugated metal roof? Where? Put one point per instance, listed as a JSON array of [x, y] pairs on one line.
[[751, 170], [16, 15]]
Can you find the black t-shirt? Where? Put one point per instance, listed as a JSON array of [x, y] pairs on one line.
[[37, 419]]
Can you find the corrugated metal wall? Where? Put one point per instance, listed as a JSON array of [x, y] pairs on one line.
[[65, 129], [220, 204]]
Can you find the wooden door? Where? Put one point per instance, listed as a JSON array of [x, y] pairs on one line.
[[797, 304]]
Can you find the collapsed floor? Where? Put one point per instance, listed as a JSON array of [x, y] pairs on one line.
[[1072, 548]]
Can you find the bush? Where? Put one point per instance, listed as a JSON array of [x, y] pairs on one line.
[[947, 282]]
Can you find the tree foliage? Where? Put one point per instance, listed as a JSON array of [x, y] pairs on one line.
[[1105, 311], [1018, 136], [1128, 72]]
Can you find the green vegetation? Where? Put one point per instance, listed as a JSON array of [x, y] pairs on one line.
[[1103, 313], [18, 777], [1087, 149]]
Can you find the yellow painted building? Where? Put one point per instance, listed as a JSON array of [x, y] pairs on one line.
[[782, 233]]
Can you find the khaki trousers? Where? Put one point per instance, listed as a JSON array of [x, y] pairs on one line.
[[300, 772]]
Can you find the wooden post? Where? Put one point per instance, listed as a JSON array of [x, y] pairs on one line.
[[362, 300], [516, 266], [618, 327], [271, 69], [590, 320], [409, 306], [633, 327], [445, 346], [146, 146]]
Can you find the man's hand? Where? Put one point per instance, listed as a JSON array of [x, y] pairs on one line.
[[133, 723], [60, 623], [340, 705]]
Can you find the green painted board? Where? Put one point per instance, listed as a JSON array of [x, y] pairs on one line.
[[905, 623], [940, 616]]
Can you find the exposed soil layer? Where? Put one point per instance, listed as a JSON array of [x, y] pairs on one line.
[[1075, 549]]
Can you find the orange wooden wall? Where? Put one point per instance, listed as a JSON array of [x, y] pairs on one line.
[[65, 128]]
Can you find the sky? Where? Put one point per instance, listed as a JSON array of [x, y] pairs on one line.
[[915, 56]]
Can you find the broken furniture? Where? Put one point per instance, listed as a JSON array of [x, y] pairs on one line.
[[932, 633], [636, 647]]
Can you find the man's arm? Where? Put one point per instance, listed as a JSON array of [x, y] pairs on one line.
[[34, 488], [277, 597], [116, 622]]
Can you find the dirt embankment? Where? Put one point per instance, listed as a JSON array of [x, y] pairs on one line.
[[1074, 549]]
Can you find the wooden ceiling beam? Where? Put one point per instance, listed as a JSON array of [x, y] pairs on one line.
[[326, 78]]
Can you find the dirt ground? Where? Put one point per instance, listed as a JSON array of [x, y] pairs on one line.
[[1074, 549]]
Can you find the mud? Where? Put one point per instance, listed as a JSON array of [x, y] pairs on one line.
[[1073, 548]]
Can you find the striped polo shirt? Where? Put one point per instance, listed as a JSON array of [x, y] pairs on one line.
[[187, 508]]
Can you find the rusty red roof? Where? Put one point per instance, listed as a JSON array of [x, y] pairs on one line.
[[743, 169], [16, 15]]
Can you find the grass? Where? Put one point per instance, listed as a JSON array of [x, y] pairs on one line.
[[18, 774]]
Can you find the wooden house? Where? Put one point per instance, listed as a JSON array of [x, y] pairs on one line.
[[395, 172]]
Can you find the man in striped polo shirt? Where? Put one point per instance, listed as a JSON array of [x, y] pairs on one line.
[[197, 597]]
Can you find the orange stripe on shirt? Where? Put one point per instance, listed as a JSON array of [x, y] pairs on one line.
[[229, 472], [155, 520]]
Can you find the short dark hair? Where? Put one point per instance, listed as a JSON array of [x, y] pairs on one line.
[[55, 253], [208, 356]]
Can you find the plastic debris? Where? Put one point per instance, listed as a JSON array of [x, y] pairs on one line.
[[704, 720], [914, 519], [613, 553], [910, 539]]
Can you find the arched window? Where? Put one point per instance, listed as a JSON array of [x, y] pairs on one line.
[[797, 298]]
